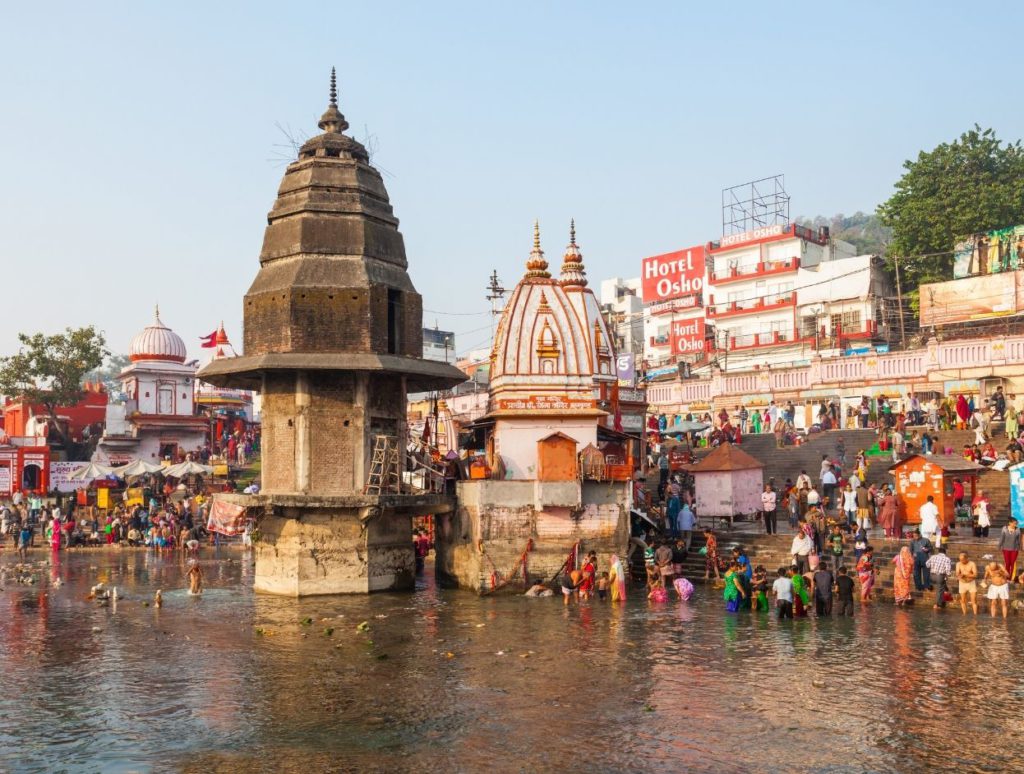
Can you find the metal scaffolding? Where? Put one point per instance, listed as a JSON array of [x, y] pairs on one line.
[[756, 204]]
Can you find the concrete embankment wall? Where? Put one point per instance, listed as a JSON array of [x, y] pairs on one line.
[[497, 521]]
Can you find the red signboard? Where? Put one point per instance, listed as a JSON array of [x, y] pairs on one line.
[[673, 275], [687, 337]]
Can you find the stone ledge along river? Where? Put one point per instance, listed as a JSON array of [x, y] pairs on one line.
[[447, 681]]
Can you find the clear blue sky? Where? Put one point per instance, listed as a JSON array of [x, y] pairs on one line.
[[140, 149]]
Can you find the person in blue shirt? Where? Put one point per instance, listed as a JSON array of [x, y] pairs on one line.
[[685, 524], [740, 557]]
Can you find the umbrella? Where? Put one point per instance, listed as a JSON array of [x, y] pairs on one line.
[[686, 427], [91, 471], [188, 468], [138, 468]]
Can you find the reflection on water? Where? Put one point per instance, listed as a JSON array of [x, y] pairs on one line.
[[447, 681]]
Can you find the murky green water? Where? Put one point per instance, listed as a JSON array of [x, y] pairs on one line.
[[235, 682]]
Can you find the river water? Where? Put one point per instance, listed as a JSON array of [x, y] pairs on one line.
[[447, 681]]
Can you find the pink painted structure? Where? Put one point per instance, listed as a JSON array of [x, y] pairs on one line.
[[728, 482], [971, 364]]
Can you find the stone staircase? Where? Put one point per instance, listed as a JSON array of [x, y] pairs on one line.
[[787, 462]]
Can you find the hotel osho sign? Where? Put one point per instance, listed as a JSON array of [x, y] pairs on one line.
[[673, 275]]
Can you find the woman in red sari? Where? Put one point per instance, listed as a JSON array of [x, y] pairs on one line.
[[963, 412], [904, 572], [888, 514], [589, 571]]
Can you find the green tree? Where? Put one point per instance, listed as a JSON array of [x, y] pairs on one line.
[[973, 184], [109, 371], [865, 232], [48, 370]]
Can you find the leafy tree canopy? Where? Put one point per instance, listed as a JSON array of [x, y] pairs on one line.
[[863, 231], [109, 371], [49, 370], [973, 184]]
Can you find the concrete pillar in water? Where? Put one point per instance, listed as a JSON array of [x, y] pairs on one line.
[[333, 339]]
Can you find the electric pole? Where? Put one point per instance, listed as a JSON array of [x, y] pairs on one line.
[[899, 301], [495, 294]]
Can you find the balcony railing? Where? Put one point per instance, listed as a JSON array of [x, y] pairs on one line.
[[752, 305], [754, 271], [751, 340]]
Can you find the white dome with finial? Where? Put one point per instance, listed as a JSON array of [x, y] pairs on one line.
[[157, 342], [552, 334]]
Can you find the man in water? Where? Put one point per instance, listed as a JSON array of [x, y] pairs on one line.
[[940, 567], [844, 587], [823, 583], [967, 578], [782, 590], [998, 579], [195, 579]]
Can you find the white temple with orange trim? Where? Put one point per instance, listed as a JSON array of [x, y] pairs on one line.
[[551, 354]]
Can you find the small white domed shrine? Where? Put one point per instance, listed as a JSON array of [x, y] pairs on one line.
[[157, 419], [157, 342]]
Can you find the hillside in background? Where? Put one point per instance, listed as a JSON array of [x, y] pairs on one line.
[[863, 231]]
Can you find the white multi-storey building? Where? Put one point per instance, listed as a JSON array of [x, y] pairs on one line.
[[624, 309]]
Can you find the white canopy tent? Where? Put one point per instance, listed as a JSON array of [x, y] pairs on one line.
[[92, 471]]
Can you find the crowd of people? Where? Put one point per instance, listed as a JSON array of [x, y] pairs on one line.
[[836, 515], [912, 427], [160, 524]]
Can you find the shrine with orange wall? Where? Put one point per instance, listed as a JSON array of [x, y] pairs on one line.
[[919, 476]]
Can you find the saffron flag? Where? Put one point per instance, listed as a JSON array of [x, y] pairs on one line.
[[209, 342], [225, 518]]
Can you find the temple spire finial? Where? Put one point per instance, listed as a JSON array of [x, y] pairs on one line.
[[158, 312], [536, 265], [573, 273], [332, 121]]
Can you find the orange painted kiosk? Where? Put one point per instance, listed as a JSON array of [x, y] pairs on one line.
[[919, 476]]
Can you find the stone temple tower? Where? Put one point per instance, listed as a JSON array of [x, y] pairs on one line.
[[333, 342]]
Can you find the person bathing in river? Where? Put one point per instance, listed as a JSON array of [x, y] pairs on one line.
[[195, 579]]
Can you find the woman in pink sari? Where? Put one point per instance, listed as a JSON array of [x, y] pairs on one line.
[[904, 572], [866, 574], [888, 515], [55, 537]]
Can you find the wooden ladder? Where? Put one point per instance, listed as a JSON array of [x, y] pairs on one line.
[[384, 472]]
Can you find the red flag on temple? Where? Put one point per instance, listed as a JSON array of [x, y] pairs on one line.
[[209, 342]]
